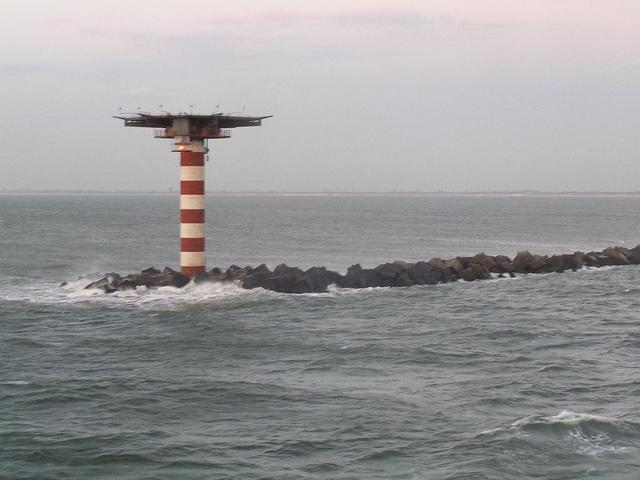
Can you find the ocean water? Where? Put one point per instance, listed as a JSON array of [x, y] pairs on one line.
[[532, 377]]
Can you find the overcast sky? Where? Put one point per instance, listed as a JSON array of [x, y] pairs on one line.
[[367, 95]]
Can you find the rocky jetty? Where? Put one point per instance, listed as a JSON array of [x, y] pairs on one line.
[[287, 279]]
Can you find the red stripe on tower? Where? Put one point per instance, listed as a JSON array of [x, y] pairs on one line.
[[192, 216]]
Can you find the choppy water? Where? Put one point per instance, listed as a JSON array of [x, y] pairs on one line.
[[533, 377]]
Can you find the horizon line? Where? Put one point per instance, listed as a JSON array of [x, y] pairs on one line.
[[328, 192]]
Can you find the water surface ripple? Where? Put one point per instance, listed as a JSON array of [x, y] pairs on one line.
[[533, 377]]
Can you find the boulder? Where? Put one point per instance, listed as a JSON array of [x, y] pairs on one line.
[[616, 256], [475, 272], [317, 279], [437, 263], [358, 277], [537, 264], [388, 274], [503, 264], [262, 268], [108, 284], [634, 255], [257, 280], [486, 261], [423, 273], [521, 261], [283, 279], [454, 266]]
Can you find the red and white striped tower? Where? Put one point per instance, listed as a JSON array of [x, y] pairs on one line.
[[192, 259], [190, 133]]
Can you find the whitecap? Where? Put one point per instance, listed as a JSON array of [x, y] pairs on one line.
[[568, 417]]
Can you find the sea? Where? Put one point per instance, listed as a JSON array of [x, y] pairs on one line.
[[532, 377]]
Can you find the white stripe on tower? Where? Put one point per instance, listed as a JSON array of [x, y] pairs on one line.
[[192, 259]]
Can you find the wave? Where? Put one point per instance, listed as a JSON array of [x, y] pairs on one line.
[[74, 293], [585, 433]]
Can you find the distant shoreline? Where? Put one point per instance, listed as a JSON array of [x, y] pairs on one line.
[[335, 194]]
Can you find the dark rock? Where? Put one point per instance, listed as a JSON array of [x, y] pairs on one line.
[[521, 261], [537, 263], [64, 284], [215, 271], [475, 272], [283, 279], [200, 278], [358, 277], [109, 281], [257, 280], [387, 274], [127, 284], [503, 264], [486, 261], [262, 268], [634, 255], [616, 256], [454, 266], [317, 279], [151, 270], [424, 273], [403, 280], [437, 263]]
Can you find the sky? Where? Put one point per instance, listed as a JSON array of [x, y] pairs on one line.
[[431, 95]]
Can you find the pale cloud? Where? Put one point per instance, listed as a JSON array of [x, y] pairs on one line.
[[368, 94]]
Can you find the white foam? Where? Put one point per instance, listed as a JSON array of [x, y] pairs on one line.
[[594, 445], [16, 382], [75, 293], [568, 417]]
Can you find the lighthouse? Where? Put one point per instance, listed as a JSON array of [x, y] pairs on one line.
[[191, 134]]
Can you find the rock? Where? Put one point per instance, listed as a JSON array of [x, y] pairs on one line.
[[257, 280], [283, 279], [616, 256], [109, 282], [317, 279], [537, 263], [424, 273], [525, 262], [64, 284], [454, 266], [262, 268], [358, 277], [521, 261], [150, 270], [388, 274], [201, 277], [634, 255], [503, 264], [486, 261], [475, 272], [591, 260]]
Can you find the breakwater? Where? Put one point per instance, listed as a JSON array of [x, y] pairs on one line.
[[286, 279]]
